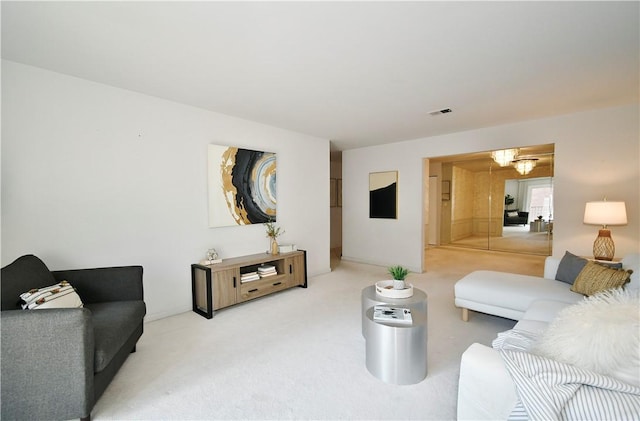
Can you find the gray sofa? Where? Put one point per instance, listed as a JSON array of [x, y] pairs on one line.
[[522, 218], [56, 363]]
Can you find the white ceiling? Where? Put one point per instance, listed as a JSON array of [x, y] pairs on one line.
[[358, 73]]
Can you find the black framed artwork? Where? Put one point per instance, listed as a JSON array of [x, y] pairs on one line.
[[383, 195]]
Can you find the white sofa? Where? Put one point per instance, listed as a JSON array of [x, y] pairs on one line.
[[509, 295], [486, 390]]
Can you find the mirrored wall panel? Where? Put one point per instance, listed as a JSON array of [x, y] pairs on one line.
[[497, 200]]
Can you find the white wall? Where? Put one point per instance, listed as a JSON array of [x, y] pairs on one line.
[[597, 154], [98, 176]]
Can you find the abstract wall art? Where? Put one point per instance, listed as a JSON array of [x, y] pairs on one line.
[[242, 186], [383, 194]]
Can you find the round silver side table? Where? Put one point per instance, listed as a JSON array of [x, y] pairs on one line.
[[397, 353]]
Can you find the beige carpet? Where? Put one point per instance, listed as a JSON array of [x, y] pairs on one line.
[[299, 354]]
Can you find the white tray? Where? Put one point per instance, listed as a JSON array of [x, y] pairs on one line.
[[385, 289]]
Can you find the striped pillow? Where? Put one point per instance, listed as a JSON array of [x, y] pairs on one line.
[[594, 278], [61, 295]]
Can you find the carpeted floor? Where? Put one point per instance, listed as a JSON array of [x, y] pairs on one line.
[[517, 239], [299, 354]]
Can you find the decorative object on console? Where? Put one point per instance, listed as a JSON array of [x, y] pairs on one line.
[[242, 186], [287, 248], [212, 258], [383, 195], [504, 157], [604, 213], [399, 274], [273, 232], [525, 166]]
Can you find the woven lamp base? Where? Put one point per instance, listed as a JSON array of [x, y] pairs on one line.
[[603, 247]]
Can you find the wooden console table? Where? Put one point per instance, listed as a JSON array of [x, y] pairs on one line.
[[217, 286]]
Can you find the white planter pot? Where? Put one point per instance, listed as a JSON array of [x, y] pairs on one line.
[[398, 284]]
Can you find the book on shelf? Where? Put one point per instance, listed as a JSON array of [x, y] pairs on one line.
[[264, 266], [267, 270], [392, 314], [249, 276], [266, 275]]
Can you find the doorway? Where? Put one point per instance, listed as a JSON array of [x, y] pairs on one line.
[[484, 205]]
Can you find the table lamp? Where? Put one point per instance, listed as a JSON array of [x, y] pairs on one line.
[[604, 213]]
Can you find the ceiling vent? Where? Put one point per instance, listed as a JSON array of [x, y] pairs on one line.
[[442, 111]]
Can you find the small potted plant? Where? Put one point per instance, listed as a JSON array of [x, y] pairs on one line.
[[399, 274], [273, 232]]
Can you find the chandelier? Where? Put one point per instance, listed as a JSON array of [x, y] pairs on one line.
[[504, 157], [525, 166]]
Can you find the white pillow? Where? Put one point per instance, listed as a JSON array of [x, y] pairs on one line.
[[600, 333], [61, 295]]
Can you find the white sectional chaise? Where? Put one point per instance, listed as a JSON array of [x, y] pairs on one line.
[[486, 390], [509, 295]]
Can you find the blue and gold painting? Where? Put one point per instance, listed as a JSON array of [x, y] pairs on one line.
[[242, 186]]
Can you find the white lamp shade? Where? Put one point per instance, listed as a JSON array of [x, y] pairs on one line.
[[605, 213]]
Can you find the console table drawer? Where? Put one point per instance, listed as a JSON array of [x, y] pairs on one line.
[[264, 286]]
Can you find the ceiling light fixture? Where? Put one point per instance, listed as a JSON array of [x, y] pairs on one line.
[[504, 157], [525, 166]]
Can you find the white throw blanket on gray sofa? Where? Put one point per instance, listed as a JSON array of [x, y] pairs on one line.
[[550, 390]]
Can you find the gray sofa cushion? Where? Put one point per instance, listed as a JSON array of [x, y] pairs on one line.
[[113, 323], [20, 276], [569, 268]]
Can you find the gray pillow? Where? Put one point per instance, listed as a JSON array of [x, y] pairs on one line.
[[569, 268], [612, 265]]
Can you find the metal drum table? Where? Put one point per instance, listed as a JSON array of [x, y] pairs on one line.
[[397, 353]]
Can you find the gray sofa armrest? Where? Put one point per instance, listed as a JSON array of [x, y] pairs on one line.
[[45, 351], [105, 284]]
